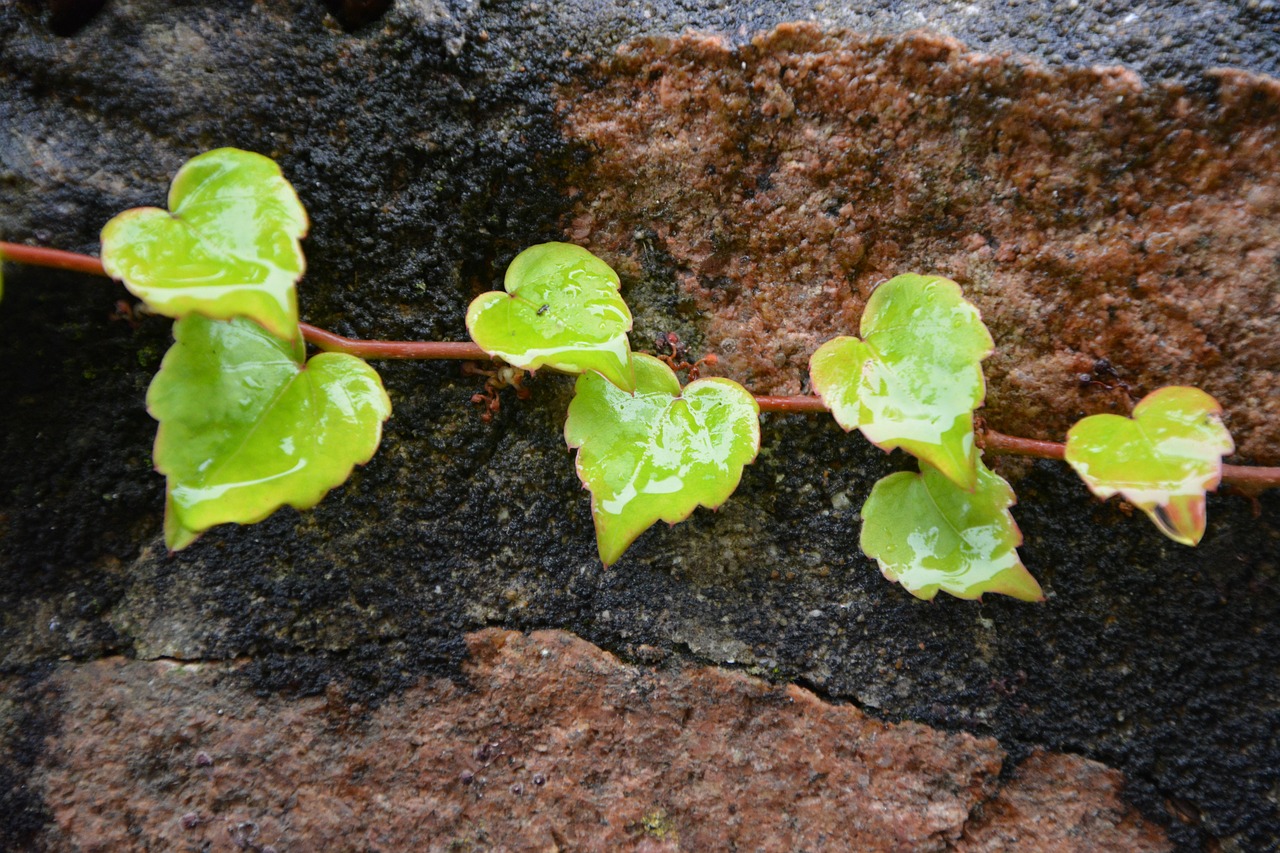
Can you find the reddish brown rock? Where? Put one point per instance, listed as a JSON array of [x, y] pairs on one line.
[[1088, 216], [1058, 804], [554, 744]]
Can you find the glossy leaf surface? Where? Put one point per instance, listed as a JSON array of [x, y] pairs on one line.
[[561, 310], [246, 428], [928, 534], [227, 246], [1162, 460], [658, 453], [915, 377]]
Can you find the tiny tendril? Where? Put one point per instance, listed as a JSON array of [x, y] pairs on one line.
[[1249, 478]]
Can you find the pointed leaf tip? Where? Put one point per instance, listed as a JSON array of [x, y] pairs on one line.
[[562, 310], [176, 534], [914, 378], [660, 452], [246, 428], [1162, 460]]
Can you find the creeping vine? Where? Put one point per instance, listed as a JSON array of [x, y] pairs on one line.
[[248, 423]]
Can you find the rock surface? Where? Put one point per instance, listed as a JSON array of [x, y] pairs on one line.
[[1087, 215], [549, 744], [1059, 802], [429, 148]]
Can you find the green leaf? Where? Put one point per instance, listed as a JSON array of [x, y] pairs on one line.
[[246, 427], [227, 246], [928, 534], [561, 310], [176, 535], [915, 377], [658, 453], [1163, 460]]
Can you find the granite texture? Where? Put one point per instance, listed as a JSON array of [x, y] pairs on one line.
[[1088, 216], [547, 744]]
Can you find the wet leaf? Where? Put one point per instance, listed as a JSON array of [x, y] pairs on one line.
[[227, 246], [928, 534], [246, 427], [915, 377], [176, 534], [658, 453], [561, 310], [1162, 460]]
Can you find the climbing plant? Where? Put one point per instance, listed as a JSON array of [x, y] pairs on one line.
[[248, 423]]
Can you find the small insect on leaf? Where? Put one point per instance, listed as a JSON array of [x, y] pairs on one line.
[[928, 534], [226, 247], [915, 377], [1162, 460], [658, 453], [561, 310], [246, 427]]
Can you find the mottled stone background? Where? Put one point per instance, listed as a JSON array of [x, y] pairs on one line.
[[751, 184]]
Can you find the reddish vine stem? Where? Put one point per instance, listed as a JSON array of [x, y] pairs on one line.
[[792, 405], [325, 340], [998, 442], [1249, 478], [52, 258], [330, 342]]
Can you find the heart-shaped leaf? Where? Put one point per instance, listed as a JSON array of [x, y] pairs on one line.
[[227, 246], [658, 453], [928, 534], [915, 378], [1163, 460], [246, 427], [561, 310]]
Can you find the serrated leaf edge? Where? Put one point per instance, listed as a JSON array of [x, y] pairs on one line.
[[1008, 588], [178, 534], [673, 519]]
